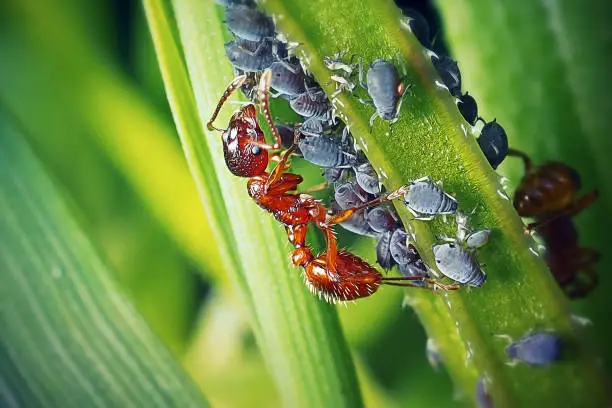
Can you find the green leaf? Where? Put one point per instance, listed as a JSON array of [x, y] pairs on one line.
[[539, 67], [429, 140], [298, 335], [49, 54], [69, 338]]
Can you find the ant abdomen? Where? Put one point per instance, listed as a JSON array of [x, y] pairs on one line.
[[354, 277], [550, 188]]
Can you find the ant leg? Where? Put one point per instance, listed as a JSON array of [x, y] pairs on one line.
[[581, 288], [332, 247], [317, 187], [236, 83], [264, 96], [282, 166], [526, 159]]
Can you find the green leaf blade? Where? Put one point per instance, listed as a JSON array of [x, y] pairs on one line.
[[431, 139], [299, 336], [69, 337]]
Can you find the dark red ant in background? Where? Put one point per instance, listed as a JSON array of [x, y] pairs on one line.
[[335, 274], [548, 193]]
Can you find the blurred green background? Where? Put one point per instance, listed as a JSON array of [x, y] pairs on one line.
[[82, 80]]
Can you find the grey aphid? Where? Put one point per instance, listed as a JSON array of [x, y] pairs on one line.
[[540, 348], [349, 195], [483, 398], [468, 108], [383, 251], [367, 178], [425, 197], [459, 264], [417, 24], [312, 104], [381, 219], [385, 88], [326, 151], [247, 59], [357, 223], [248, 23], [449, 73], [313, 127], [399, 247], [477, 239], [288, 78], [415, 268], [334, 174], [493, 142]]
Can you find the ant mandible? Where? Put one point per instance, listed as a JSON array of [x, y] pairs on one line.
[[335, 274], [548, 193]]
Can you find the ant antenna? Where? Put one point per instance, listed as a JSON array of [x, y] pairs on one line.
[[236, 83], [406, 281]]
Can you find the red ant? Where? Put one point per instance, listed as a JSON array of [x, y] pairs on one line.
[[548, 194], [336, 275]]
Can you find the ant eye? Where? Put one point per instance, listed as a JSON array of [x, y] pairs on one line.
[[255, 150]]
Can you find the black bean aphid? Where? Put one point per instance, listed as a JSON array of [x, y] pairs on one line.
[[349, 195], [248, 23], [326, 151], [383, 251], [417, 24], [288, 78], [312, 104], [493, 142], [367, 178], [539, 348], [381, 219], [250, 57], [385, 88], [449, 73], [468, 108]]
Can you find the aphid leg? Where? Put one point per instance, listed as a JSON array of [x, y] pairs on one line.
[[526, 160], [372, 119], [360, 65], [263, 93], [236, 83]]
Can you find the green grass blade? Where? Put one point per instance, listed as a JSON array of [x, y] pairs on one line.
[[428, 140], [48, 55], [69, 338], [545, 83], [298, 335]]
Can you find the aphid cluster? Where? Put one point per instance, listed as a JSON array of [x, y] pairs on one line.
[[260, 57], [335, 275]]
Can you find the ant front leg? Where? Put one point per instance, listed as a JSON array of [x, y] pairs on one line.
[[264, 97], [236, 83], [584, 202], [526, 160], [281, 168]]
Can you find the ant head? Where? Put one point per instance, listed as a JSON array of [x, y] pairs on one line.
[[242, 141]]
